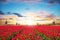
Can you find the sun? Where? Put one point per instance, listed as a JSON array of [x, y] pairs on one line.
[[30, 21], [26, 21]]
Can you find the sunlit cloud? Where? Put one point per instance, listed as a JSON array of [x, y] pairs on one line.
[[39, 14], [43, 13], [30, 14]]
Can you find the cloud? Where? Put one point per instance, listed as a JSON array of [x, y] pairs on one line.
[[20, 1], [1, 13], [53, 1], [18, 14], [8, 13], [45, 14], [32, 1], [3, 0]]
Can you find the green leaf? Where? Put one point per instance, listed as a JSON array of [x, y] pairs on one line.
[[42, 35], [14, 34], [0, 38], [58, 38], [18, 39]]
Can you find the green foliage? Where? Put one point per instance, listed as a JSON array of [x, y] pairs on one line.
[[41, 35], [58, 38], [18, 39], [0, 38], [35, 37], [55, 38], [13, 35], [26, 38]]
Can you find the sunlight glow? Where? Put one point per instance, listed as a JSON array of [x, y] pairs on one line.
[[26, 21], [30, 21], [31, 18]]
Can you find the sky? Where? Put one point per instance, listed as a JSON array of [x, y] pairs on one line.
[[35, 6]]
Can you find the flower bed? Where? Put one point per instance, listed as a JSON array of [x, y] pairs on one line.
[[10, 32]]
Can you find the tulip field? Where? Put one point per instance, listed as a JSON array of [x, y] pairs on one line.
[[19, 32]]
